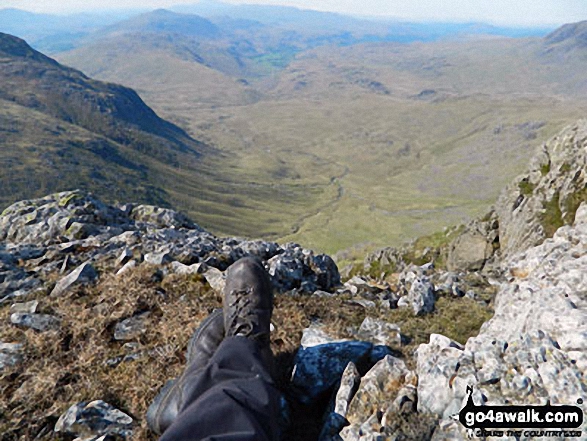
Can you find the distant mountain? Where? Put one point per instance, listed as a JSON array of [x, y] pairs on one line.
[[60, 129], [163, 21], [570, 37], [54, 33], [361, 29]]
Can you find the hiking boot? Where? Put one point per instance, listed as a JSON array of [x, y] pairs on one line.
[[201, 347], [248, 301]]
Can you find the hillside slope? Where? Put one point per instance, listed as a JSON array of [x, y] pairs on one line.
[[61, 129], [411, 137]]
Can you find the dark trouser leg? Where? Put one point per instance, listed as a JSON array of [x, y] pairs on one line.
[[233, 398]]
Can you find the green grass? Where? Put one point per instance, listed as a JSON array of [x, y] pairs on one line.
[[526, 188], [552, 218]]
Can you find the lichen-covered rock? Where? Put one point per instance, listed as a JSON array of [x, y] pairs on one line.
[[160, 217], [388, 386], [70, 214], [93, 419], [298, 268], [474, 246]]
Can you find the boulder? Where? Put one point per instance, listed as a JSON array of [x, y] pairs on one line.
[[472, 248], [160, 217], [319, 368]]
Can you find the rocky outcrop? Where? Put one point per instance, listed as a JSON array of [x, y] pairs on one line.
[[547, 196], [67, 232], [532, 351]]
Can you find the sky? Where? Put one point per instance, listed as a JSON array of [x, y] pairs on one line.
[[503, 12]]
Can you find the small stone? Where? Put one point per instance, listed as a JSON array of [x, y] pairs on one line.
[[315, 335], [126, 267], [196, 268], [82, 275], [320, 293], [420, 296], [215, 279], [38, 322], [10, 354], [29, 307], [124, 257], [363, 302], [158, 258], [96, 418], [131, 328]]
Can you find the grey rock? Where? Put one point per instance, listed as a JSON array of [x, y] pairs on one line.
[[314, 335], [160, 258], [56, 217], [124, 257], [29, 307], [82, 275], [555, 177], [471, 249], [389, 385], [131, 328], [533, 349], [96, 418], [349, 384], [38, 322], [10, 354], [364, 303], [215, 278], [420, 296], [126, 267], [379, 332], [196, 268], [161, 217]]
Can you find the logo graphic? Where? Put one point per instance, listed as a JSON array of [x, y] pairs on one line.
[[522, 417]]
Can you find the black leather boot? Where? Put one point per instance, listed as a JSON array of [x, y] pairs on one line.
[[201, 347], [248, 305], [248, 301]]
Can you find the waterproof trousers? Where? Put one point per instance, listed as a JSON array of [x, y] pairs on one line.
[[232, 398]]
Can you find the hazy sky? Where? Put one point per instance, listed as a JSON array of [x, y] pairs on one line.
[[511, 12]]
